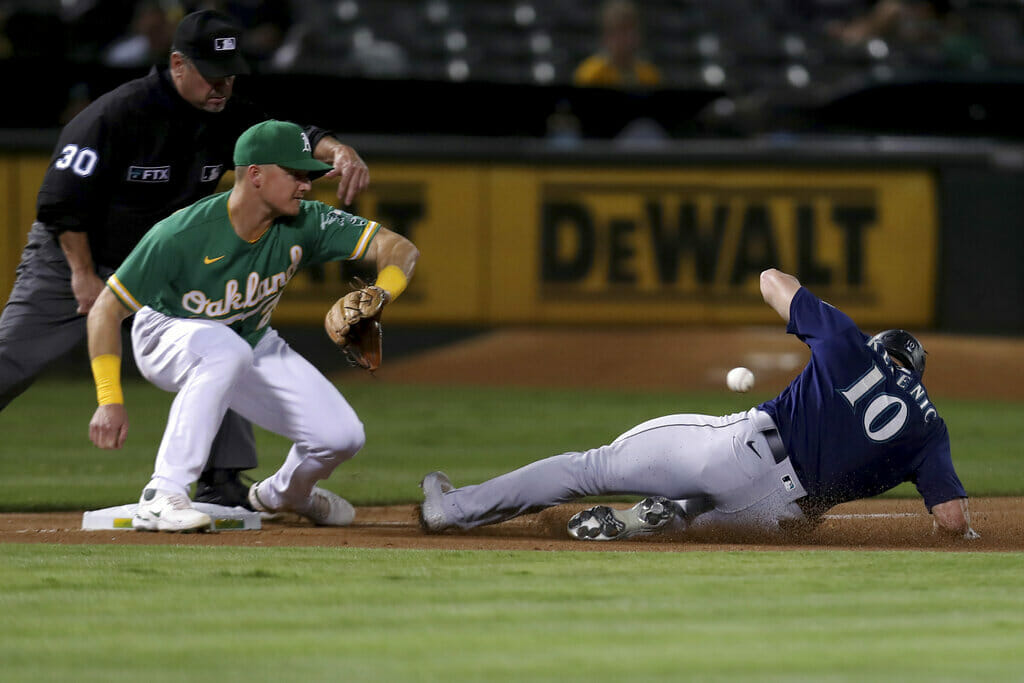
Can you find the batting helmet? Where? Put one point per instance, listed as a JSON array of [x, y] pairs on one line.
[[904, 347]]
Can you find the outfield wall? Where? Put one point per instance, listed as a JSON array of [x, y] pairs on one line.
[[522, 233]]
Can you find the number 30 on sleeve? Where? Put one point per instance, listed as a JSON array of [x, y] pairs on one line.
[[81, 161]]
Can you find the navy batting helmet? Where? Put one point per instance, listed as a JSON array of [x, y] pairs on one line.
[[904, 347]]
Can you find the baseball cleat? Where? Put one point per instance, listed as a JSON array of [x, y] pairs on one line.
[[327, 508], [324, 508], [165, 511], [602, 523], [432, 517], [256, 503]]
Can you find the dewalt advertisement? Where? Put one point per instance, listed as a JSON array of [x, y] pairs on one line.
[[688, 246], [564, 245]]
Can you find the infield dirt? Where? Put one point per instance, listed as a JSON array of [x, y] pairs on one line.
[[640, 359], [863, 525]]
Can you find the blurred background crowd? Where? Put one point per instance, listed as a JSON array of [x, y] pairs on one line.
[[718, 66]]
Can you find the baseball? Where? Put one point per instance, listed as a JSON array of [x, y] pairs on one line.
[[740, 379]]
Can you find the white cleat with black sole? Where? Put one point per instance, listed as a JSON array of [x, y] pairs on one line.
[[602, 523]]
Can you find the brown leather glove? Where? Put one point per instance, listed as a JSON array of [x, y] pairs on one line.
[[353, 323]]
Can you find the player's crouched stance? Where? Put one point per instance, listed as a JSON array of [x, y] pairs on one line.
[[203, 284], [856, 422]]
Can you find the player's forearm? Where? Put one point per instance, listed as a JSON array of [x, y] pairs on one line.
[[104, 329], [75, 246], [396, 259], [108, 427], [400, 253], [104, 325], [327, 147], [778, 290]]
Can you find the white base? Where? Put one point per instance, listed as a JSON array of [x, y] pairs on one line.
[[224, 518]]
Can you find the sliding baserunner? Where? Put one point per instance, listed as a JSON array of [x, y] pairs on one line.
[[856, 422]]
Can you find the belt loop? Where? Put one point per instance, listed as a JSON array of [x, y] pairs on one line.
[[775, 444], [764, 423]]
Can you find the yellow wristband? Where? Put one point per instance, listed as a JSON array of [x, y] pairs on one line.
[[106, 370], [392, 280]]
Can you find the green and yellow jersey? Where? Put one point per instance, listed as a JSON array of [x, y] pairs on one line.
[[193, 264]]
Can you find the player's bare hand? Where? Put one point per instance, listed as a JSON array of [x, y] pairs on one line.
[[953, 518], [351, 171], [108, 427], [86, 286]]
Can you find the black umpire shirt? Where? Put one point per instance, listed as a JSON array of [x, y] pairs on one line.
[[133, 157]]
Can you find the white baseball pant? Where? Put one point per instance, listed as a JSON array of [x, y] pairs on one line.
[[720, 469], [212, 369]]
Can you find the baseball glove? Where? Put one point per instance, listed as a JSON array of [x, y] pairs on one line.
[[353, 323]]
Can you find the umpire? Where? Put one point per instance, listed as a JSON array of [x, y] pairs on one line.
[[131, 158]]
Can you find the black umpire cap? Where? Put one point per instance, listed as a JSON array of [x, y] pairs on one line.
[[213, 42]]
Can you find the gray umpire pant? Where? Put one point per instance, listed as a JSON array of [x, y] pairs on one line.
[[40, 324], [724, 471]]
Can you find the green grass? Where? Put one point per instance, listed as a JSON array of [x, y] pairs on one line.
[[163, 613], [47, 462], [170, 613]]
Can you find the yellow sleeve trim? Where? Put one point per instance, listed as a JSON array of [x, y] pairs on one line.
[[106, 370], [123, 294], [364, 240]]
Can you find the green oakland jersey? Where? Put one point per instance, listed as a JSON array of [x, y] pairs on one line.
[[193, 264]]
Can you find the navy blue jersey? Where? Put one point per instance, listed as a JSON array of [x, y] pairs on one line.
[[854, 423]]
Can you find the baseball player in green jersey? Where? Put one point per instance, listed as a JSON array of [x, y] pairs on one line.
[[203, 284]]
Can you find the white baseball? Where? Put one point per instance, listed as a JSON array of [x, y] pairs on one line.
[[740, 379]]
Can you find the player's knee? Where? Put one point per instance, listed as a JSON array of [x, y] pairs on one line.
[[342, 439], [352, 441]]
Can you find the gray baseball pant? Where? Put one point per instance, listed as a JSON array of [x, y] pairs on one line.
[[40, 324], [721, 469]]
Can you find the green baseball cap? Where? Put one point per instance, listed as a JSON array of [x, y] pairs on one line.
[[278, 142]]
